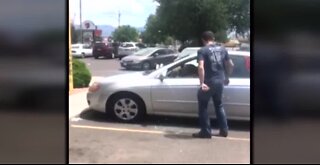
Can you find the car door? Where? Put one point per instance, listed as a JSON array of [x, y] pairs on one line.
[[169, 56], [158, 57], [176, 93], [236, 95], [87, 50]]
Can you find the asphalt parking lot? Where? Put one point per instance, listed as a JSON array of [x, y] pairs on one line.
[[96, 138]]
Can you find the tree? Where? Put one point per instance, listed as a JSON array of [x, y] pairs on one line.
[[239, 15], [125, 34], [188, 19], [153, 33]]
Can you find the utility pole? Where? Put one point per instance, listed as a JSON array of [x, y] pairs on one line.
[[70, 59], [119, 15], [81, 33]]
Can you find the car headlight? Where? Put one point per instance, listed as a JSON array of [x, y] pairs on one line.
[[136, 61], [94, 87]]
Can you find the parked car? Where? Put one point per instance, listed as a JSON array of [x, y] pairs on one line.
[[148, 58], [128, 48], [103, 49], [81, 50], [169, 90], [244, 47]]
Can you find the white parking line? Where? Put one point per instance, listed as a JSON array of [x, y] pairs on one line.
[[146, 131]]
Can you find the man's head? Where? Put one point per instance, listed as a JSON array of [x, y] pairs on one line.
[[207, 36]]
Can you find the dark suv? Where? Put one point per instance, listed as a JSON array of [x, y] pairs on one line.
[[103, 49]]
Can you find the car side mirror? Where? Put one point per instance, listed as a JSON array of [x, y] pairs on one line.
[[161, 77], [155, 55]]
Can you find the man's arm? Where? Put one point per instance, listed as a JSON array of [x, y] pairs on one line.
[[228, 67], [201, 71], [228, 64]]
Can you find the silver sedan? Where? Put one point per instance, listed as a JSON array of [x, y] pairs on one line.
[[170, 90]]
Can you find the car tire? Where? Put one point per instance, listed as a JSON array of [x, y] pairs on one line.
[[126, 107], [83, 55], [146, 66], [96, 57]]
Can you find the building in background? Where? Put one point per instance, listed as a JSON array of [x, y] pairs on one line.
[[90, 33]]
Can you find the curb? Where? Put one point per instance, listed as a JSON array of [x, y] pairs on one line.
[[77, 90]]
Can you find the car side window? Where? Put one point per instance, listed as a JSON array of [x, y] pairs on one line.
[[139, 45], [241, 66], [86, 46], [187, 69], [160, 52], [169, 51]]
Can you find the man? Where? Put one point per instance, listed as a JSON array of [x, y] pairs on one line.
[[214, 69]]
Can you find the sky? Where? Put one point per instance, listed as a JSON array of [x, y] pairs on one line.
[[105, 12]]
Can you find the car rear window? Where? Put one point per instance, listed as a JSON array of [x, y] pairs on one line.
[[127, 45], [241, 66], [100, 44]]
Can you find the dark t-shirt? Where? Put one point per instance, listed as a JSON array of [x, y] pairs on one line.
[[214, 57]]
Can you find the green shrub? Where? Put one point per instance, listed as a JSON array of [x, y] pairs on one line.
[[81, 74]]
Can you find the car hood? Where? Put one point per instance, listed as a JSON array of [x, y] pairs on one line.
[[127, 77]]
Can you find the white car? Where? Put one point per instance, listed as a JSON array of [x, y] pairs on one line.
[[128, 48], [81, 50], [170, 90]]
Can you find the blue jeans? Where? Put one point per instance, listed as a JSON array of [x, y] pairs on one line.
[[215, 92]]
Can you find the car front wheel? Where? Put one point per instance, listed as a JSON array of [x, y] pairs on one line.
[[146, 66], [127, 108]]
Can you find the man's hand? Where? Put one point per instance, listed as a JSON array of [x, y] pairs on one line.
[[226, 81], [204, 87]]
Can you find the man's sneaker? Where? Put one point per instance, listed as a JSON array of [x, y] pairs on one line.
[[223, 133], [201, 135]]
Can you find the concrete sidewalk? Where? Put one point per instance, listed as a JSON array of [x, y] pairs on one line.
[[78, 99]]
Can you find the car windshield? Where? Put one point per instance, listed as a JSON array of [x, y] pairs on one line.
[[186, 53], [144, 52]]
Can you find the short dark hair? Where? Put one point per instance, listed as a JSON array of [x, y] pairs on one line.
[[207, 36]]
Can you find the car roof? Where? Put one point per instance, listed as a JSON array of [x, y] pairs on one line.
[[230, 52], [77, 44], [129, 42], [191, 48], [239, 52]]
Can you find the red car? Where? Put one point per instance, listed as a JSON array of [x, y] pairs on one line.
[[103, 49]]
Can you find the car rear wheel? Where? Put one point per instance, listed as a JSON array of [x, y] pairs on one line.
[[127, 108], [96, 57]]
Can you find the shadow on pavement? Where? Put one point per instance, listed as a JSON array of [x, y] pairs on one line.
[[167, 121], [175, 135], [131, 70]]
